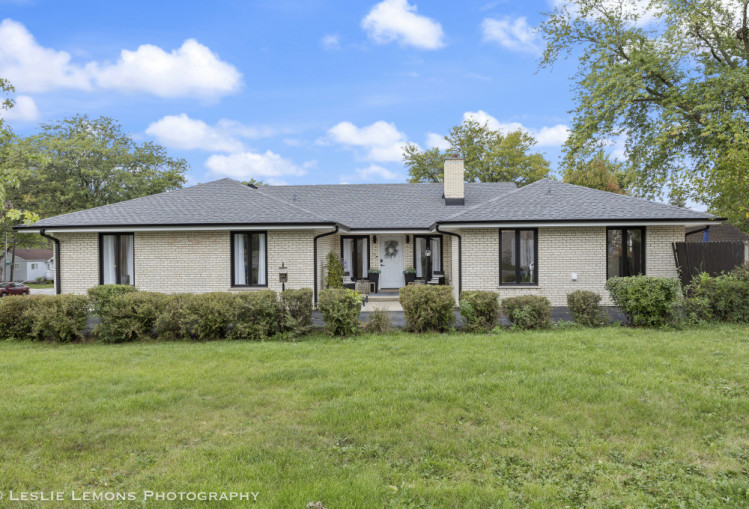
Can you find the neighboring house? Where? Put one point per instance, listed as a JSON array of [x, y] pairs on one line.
[[547, 238], [715, 233], [29, 264]]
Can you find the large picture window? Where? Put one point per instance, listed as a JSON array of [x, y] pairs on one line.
[[427, 256], [518, 254], [117, 259], [625, 252], [355, 254], [249, 259]]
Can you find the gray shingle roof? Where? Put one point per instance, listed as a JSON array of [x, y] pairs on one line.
[[362, 206], [224, 201], [548, 200], [369, 206]]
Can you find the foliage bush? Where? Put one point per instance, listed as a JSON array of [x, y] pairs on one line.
[[254, 315], [527, 312], [428, 307], [170, 324], [340, 310], [742, 272], [644, 300], [379, 322], [723, 298], [102, 295], [295, 311], [130, 316], [58, 318], [206, 316], [585, 309], [15, 323], [333, 271], [480, 310]]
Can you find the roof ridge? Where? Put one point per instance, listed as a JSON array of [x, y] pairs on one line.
[[492, 200], [313, 214]]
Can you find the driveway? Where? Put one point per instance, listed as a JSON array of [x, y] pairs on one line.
[[42, 291]]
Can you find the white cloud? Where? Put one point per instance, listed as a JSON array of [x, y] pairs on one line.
[[331, 42], [548, 136], [24, 110], [396, 20], [513, 34], [372, 173], [192, 70], [244, 165], [183, 132], [382, 141], [435, 140], [33, 68]]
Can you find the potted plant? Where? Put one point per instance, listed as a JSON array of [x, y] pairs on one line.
[[410, 275], [374, 276]]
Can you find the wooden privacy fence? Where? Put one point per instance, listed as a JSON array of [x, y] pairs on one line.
[[711, 257]]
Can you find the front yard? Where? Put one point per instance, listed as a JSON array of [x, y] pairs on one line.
[[607, 417]]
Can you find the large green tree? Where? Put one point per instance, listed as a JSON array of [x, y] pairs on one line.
[[599, 172], [673, 80], [490, 156], [78, 163]]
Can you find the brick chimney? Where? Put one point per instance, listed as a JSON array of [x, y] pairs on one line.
[[454, 193]]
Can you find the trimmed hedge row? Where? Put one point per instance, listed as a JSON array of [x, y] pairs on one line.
[[44, 318], [646, 301], [724, 298]]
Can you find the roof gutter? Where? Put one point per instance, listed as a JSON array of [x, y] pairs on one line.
[[460, 256], [314, 259], [564, 223], [174, 227], [58, 289]]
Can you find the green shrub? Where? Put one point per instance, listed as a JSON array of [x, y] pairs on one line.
[[170, 324], [480, 310], [723, 298], [15, 323], [584, 308], [254, 315], [130, 317], [206, 316], [527, 312], [646, 301], [333, 271], [340, 310], [379, 322], [428, 307], [742, 272], [102, 295], [295, 311], [58, 318]]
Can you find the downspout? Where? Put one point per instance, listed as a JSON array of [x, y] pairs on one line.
[[58, 289], [460, 257], [314, 259]]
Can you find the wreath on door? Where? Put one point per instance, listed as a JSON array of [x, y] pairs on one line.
[[391, 248]]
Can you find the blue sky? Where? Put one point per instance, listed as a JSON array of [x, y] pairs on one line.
[[286, 91]]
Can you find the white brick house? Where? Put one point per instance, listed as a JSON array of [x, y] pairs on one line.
[[546, 238]]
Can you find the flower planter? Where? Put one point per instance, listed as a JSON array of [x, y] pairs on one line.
[[375, 278], [409, 277]]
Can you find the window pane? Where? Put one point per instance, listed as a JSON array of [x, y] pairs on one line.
[[436, 254], [240, 259], [261, 269], [614, 252], [107, 259], [126, 260], [507, 256], [348, 256], [420, 245], [527, 257], [361, 249], [255, 258], [634, 252]]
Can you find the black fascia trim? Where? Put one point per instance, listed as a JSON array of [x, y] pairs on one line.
[[231, 258], [169, 225], [634, 220]]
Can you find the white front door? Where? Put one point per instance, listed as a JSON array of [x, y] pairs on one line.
[[391, 261]]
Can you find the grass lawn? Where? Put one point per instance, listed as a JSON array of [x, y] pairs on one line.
[[610, 417], [40, 285]]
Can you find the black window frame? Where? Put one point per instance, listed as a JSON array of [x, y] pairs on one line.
[[355, 256], [232, 256], [622, 258], [117, 254], [428, 244], [517, 256]]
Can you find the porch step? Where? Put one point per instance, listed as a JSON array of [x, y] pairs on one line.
[[383, 297]]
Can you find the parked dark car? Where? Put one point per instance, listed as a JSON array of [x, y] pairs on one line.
[[14, 289]]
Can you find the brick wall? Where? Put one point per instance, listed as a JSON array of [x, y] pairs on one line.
[[562, 251], [79, 261]]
